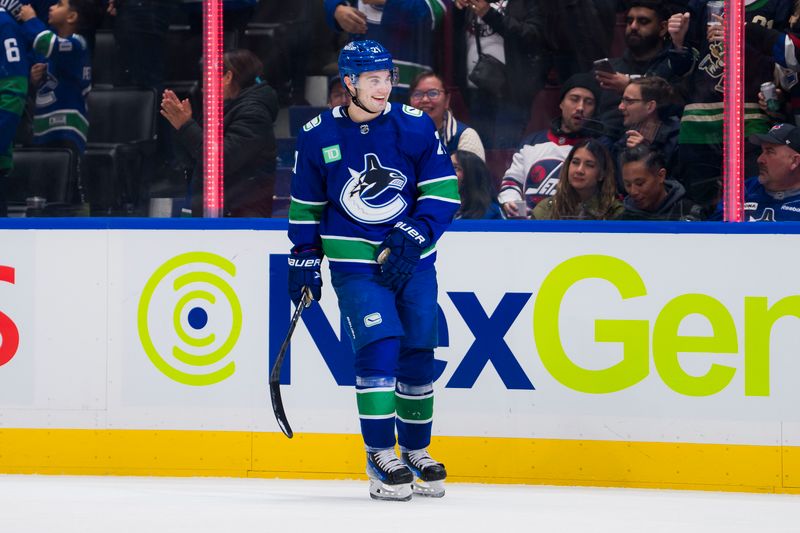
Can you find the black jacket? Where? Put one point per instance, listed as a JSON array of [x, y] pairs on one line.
[[674, 207], [249, 151]]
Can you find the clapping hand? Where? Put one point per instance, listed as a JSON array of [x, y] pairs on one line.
[[177, 112]]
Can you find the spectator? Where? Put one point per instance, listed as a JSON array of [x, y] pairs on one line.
[[646, 54], [530, 37], [337, 95], [774, 195], [586, 189], [428, 93], [645, 108], [64, 79], [405, 27], [475, 187], [534, 171], [13, 88], [784, 49], [650, 195], [250, 150], [506, 30], [699, 51]]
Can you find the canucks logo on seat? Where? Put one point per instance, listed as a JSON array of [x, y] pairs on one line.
[[372, 196]]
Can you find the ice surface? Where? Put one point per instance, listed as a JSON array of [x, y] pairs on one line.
[[66, 504]]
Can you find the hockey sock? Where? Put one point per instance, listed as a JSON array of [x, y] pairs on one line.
[[414, 405], [376, 403], [375, 385]]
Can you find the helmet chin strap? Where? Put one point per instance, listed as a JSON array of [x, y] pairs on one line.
[[355, 100]]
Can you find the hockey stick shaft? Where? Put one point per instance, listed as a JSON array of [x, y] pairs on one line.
[[275, 374]]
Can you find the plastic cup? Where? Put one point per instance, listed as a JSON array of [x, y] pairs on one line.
[[715, 7]]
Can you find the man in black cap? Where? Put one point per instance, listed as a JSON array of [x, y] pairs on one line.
[[533, 173], [774, 195]]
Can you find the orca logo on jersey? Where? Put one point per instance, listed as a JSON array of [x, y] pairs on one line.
[[373, 196]]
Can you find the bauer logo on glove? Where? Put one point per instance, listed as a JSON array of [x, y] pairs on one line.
[[412, 232]]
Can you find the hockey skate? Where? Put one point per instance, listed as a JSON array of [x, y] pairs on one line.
[[429, 474], [389, 478]]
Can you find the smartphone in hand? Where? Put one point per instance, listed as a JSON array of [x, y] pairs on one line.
[[604, 65]]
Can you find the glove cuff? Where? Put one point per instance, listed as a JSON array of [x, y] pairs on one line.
[[413, 231]]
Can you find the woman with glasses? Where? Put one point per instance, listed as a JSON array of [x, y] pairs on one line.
[[427, 93], [586, 189]]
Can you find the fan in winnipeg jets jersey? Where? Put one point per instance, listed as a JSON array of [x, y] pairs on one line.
[[371, 181]]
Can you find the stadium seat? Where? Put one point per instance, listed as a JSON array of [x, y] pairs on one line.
[[544, 109], [618, 40], [122, 143], [43, 172], [498, 161], [103, 59]]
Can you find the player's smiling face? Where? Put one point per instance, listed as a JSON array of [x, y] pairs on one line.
[[374, 88]]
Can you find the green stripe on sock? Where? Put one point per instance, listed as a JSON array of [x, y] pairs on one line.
[[410, 408], [375, 403]]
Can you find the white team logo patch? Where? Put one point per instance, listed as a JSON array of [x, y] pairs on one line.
[[372, 320], [413, 111], [313, 123], [372, 196]]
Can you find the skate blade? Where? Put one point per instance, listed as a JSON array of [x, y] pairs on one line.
[[429, 489], [381, 491]]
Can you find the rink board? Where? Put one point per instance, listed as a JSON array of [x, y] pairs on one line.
[[572, 353]]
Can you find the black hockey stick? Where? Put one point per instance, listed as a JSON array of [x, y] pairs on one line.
[[275, 374]]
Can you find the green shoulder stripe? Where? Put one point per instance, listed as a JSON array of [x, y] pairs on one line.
[[44, 43], [305, 212], [445, 188]]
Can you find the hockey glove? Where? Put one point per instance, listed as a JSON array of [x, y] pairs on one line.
[[405, 244], [304, 271]]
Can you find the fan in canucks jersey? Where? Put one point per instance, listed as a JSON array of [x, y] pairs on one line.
[[60, 116], [372, 180], [13, 88]]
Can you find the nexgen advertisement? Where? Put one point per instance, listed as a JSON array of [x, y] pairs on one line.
[[621, 337]]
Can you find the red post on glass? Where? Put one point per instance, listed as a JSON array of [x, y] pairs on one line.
[[733, 129], [213, 196]]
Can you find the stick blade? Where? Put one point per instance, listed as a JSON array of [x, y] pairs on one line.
[[277, 408]]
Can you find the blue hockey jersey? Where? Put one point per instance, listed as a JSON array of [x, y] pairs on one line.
[[763, 206], [352, 182], [61, 99], [14, 69]]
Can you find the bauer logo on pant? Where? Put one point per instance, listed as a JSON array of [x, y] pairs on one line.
[[189, 318]]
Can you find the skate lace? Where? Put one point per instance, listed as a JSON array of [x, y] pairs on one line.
[[421, 459], [387, 460]]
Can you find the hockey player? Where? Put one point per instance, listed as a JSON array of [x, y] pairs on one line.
[[13, 88], [373, 180]]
